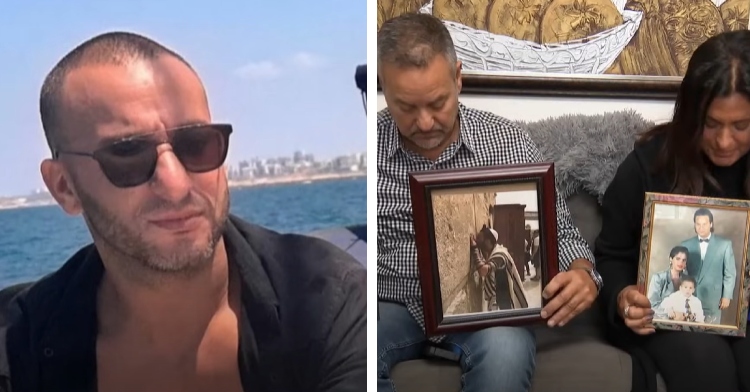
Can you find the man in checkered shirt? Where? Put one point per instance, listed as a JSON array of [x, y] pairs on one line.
[[425, 127]]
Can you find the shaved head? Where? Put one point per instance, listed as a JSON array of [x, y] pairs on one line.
[[115, 48], [111, 88]]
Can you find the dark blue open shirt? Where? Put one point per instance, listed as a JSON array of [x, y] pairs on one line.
[[302, 328]]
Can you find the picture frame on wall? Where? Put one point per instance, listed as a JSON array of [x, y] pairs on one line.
[[596, 48], [486, 243], [693, 263]]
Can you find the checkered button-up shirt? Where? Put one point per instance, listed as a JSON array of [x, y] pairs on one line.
[[485, 139]]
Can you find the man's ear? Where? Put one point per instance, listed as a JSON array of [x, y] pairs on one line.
[[459, 81], [60, 186]]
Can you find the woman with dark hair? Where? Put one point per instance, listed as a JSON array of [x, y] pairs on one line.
[[702, 151], [666, 282]]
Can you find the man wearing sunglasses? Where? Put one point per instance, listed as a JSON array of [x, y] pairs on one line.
[[174, 294]]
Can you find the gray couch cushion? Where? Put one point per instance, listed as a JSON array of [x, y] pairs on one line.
[[581, 364], [552, 373], [584, 209], [427, 375]]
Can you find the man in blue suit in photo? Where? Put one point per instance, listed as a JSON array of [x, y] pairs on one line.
[[711, 263]]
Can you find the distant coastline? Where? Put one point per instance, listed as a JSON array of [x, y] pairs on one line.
[[294, 179], [45, 199]]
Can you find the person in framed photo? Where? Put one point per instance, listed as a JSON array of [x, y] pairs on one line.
[[711, 262], [702, 151], [666, 282], [426, 127], [502, 285], [536, 256], [682, 305]]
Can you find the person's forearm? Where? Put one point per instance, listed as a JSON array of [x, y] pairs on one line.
[[476, 255]]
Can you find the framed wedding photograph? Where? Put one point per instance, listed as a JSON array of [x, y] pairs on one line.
[[693, 262], [486, 244]]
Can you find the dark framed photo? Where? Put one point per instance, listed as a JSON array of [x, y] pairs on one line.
[[693, 262], [591, 48], [486, 244]]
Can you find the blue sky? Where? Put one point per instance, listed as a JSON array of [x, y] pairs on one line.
[[281, 71]]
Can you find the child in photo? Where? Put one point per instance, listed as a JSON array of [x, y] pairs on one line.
[[682, 305]]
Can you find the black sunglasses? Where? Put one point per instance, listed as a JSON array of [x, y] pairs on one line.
[[132, 161]]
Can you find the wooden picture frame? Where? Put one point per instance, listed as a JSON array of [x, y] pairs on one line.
[[449, 207], [685, 277], [661, 88], [576, 86]]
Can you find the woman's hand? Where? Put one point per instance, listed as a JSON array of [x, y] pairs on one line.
[[635, 310]]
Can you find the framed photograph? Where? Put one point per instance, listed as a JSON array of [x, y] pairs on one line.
[[486, 244], [693, 262], [591, 48]]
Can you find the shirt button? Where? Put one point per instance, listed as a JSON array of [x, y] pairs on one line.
[[48, 352]]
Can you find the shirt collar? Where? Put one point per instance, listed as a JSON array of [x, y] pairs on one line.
[[466, 129], [246, 253]]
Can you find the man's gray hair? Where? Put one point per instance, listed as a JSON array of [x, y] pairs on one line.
[[413, 40]]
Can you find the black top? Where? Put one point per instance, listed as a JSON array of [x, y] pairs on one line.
[[617, 246], [302, 328]]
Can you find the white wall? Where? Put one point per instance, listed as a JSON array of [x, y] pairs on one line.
[[529, 198], [537, 108]]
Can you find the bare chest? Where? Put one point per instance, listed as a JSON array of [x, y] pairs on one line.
[[157, 380], [210, 366]]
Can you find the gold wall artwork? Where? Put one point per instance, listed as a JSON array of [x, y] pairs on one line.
[[625, 48]]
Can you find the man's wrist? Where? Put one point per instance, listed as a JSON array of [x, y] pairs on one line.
[[581, 264], [588, 266]]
